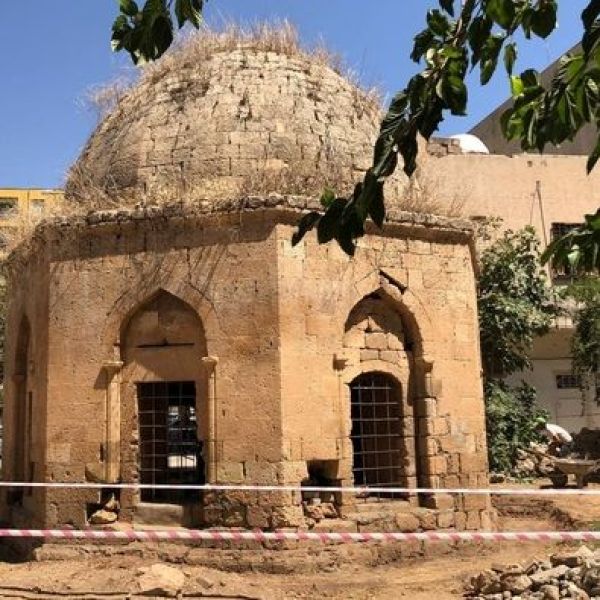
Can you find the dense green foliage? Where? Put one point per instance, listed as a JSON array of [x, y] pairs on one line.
[[585, 344], [147, 32], [511, 415], [515, 302], [515, 305], [579, 250]]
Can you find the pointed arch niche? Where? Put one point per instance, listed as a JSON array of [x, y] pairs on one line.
[[22, 421], [164, 404], [384, 377]]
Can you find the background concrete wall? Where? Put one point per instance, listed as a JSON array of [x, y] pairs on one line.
[[526, 190]]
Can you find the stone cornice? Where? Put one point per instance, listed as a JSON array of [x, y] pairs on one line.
[[280, 208]]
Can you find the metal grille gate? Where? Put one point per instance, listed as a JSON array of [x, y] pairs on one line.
[[170, 452], [376, 432]]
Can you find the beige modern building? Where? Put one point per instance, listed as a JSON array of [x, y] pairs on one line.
[[191, 342], [552, 193]]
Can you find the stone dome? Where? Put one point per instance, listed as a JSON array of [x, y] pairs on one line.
[[230, 116]]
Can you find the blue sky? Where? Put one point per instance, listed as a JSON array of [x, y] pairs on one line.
[[52, 51]]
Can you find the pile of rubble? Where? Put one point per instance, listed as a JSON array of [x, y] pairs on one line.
[[107, 514], [533, 462], [568, 574], [315, 511]]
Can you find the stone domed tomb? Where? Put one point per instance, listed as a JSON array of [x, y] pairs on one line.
[[175, 336]]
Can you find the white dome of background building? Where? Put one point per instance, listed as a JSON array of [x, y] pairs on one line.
[[470, 144]]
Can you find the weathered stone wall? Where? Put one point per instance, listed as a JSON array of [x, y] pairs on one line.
[[279, 323], [99, 276], [426, 276], [26, 367]]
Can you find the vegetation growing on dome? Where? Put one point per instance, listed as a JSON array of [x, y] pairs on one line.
[[193, 74], [310, 129], [280, 37]]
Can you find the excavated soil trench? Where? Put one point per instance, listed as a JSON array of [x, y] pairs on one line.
[[525, 513]]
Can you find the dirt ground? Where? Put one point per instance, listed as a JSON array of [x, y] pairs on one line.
[[438, 578], [81, 573]]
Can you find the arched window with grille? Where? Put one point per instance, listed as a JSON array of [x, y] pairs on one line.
[[377, 432]]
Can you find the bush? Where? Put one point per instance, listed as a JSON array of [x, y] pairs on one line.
[[511, 415], [585, 344], [516, 304]]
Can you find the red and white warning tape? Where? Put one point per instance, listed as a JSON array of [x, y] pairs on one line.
[[281, 536], [257, 535]]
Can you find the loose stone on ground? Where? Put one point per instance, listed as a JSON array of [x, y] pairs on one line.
[[573, 573]]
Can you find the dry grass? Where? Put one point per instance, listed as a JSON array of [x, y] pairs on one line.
[[280, 37], [83, 190], [420, 194], [86, 194], [193, 50], [424, 194], [288, 182], [102, 99]]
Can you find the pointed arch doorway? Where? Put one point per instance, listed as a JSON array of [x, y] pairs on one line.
[[164, 399]]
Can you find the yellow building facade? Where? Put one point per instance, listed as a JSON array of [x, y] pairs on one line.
[[23, 206]]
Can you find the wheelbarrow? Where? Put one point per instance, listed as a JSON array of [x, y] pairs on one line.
[[581, 468]]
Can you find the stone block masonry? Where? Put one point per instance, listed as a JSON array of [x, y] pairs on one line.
[[271, 351]]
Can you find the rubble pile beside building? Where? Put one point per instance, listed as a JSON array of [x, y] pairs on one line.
[[570, 573]]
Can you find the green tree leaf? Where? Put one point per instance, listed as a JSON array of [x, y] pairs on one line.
[[501, 11], [306, 224], [454, 93], [517, 87], [479, 31], [377, 207], [590, 14], [438, 23], [188, 10], [448, 6], [544, 19], [490, 54], [129, 7], [423, 41], [329, 224], [510, 57]]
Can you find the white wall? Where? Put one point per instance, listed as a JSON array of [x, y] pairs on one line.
[[567, 407]]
